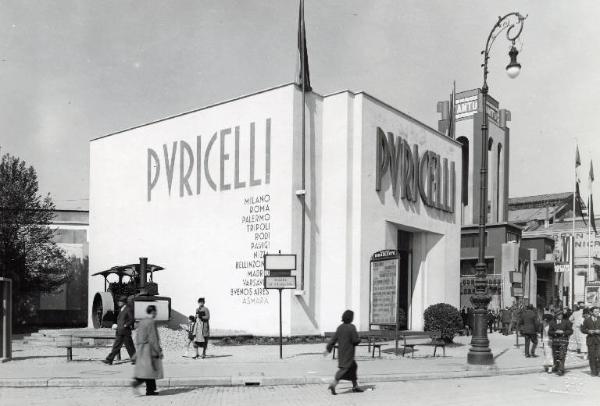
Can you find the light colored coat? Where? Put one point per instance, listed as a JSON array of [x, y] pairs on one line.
[[148, 363]]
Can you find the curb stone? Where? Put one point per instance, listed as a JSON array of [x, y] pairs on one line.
[[250, 380]]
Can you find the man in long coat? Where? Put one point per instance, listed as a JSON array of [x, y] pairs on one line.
[[591, 327], [560, 330], [148, 366], [125, 322], [529, 326], [346, 337]]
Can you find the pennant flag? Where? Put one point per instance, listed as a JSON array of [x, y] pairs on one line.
[[577, 159], [304, 75], [591, 173], [591, 215], [451, 123], [578, 203]]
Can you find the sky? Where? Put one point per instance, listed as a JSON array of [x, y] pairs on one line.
[[75, 70]]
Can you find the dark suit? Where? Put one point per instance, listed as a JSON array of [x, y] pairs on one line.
[[529, 327], [125, 322], [560, 342], [593, 343]]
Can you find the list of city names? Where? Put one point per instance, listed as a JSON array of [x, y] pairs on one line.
[[256, 223]]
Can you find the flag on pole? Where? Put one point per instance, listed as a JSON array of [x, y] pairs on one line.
[[303, 75], [577, 198], [578, 203], [452, 113]]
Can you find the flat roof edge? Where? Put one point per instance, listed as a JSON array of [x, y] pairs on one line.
[[198, 109], [376, 99]]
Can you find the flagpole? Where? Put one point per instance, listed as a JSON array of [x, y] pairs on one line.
[[572, 268], [303, 70], [589, 238]]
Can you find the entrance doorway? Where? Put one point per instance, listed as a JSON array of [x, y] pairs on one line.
[[405, 283]]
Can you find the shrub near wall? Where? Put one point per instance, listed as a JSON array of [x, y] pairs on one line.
[[444, 318]]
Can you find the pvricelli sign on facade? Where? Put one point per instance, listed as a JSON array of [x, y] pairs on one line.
[[208, 193]]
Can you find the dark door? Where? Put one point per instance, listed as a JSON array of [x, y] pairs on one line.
[[404, 248]]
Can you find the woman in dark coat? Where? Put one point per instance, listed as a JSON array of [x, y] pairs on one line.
[[346, 337], [148, 366]]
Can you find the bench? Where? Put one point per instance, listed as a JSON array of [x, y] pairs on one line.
[[75, 340], [374, 345], [412, 339], [370, 336]]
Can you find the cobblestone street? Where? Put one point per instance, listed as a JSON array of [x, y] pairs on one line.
[[573, 389]]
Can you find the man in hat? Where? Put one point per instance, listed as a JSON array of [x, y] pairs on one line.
[[560, 330], [124, 326], [529, 326], [591, 327]]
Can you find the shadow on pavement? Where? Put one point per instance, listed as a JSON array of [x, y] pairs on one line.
[[175, 391], [349, 391], [305, 353], [36, 357]]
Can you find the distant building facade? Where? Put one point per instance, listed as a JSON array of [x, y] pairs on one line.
[[505, 258], [550, 217], [68, 306]]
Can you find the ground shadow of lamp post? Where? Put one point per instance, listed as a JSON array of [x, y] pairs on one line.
[[480, 353]]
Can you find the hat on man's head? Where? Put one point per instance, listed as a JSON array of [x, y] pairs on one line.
[[558, 311]]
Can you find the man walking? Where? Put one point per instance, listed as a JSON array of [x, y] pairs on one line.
[[529, 326], [560, 329], [591, 327], [125, 322]]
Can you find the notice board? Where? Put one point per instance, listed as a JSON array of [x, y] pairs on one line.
[[385, 272]]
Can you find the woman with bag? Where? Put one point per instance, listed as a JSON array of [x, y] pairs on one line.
[[148, 366], [201, 328]]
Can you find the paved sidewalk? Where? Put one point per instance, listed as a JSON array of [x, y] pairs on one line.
[[42, 366]]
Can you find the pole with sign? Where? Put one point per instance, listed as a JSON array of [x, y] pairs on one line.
[[278, 275]]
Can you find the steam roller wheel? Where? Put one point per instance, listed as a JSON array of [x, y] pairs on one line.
[[103, 310]]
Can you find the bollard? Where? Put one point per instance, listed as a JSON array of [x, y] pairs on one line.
[[5, 319]]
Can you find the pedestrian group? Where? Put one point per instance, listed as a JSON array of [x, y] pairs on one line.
[[147, 359]]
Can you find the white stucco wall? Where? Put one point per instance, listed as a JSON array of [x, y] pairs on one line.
[[200, 238], [361, 221]]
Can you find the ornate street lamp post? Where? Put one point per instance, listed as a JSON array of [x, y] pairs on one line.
[[480, 353]]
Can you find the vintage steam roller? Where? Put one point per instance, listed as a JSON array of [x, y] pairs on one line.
[[136, 282]]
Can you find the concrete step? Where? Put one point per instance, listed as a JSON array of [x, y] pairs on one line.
[[40, 338], [36, 343]]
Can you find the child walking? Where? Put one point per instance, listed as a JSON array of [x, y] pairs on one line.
[[190, 334]]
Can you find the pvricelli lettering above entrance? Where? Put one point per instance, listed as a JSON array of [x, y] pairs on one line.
[[429, 176]]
